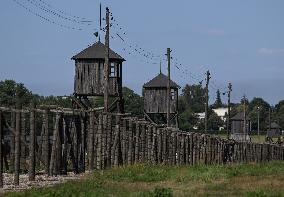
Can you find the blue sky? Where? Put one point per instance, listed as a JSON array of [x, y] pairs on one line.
[[238, 41]]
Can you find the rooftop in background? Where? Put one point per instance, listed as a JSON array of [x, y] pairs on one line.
[[160, 81], [221, 112], [97, 51], [239, 116], [274, 125]]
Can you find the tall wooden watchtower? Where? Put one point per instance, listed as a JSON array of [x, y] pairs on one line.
[[155, 96], [89, 76]]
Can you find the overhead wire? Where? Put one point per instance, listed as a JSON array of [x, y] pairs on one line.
[[48, 10], [63, 12], [45, 18]]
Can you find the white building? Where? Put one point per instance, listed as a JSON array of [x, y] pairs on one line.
[[221, 112]]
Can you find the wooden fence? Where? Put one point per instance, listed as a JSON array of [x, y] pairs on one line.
[[62, 140]]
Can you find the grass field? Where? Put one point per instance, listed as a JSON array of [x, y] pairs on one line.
[[254, 138], [265, 179]]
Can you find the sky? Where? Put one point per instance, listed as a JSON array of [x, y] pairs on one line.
[[241, 42]]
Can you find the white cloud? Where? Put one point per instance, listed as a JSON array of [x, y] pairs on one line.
[[270, 51]]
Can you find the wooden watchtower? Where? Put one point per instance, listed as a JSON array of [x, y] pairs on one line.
[[89, 76], [155, 96], [237, 127]]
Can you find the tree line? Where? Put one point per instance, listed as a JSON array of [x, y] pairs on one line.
[[191, 102]]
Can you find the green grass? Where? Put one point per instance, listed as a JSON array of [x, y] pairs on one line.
[[254, 138], [265, 179]]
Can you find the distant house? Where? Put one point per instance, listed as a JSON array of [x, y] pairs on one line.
[[275, 130], [201, 116], [221, 112], [237, 127]]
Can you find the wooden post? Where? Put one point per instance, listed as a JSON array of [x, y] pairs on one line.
[[46, 141], [99, 148], [169, 87], [109, 141], [17, 147], [12, 139], [229, 111], [206, 100], [130, 145], [116, 144], [22, 141], [91, 141], [1, 151], [65, 146], [143, 142], [245, 121], [137, 132], [149, 143], [32, 143], [106, 66], [52, 167], [83, 153]]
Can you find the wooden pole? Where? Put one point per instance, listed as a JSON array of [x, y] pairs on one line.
[[245, 121], [207, 100], [12, 139], [1, 151], [269, 119], [54, 152], [106, 66], [32, 144], [46, 141], [83, 152], [169, 87], [91, 141], [229, 111], [17, 147]]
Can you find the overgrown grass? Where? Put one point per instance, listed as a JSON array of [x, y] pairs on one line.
[[266, 179]]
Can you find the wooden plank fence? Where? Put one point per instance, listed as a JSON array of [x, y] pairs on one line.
[[62, 140]]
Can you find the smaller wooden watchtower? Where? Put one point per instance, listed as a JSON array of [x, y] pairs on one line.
[[89, 75], [274, 130], [237, 127], [155, 96]]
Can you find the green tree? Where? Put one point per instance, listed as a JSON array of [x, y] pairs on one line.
[[279, 113], [12, 92], [133, 103], [258, 105], [194, 97], [218, 103], [191, 101]]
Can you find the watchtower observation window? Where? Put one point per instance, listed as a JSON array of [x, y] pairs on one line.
[[173, 94], [112, 70]]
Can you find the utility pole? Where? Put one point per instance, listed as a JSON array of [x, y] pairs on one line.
[[207, 100], [106, 66], [258, 108], [229, 110], [169, 87], [245, 117], [269, 118]]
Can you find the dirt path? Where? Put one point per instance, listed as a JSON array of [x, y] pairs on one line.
[[42, 180]]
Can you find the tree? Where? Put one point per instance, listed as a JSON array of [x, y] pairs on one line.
[[133, 103], [12, 92], [258, 105], [218, 103], [279, 113], [188, 120], [214, 121], [191, 101], [194, 97]]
